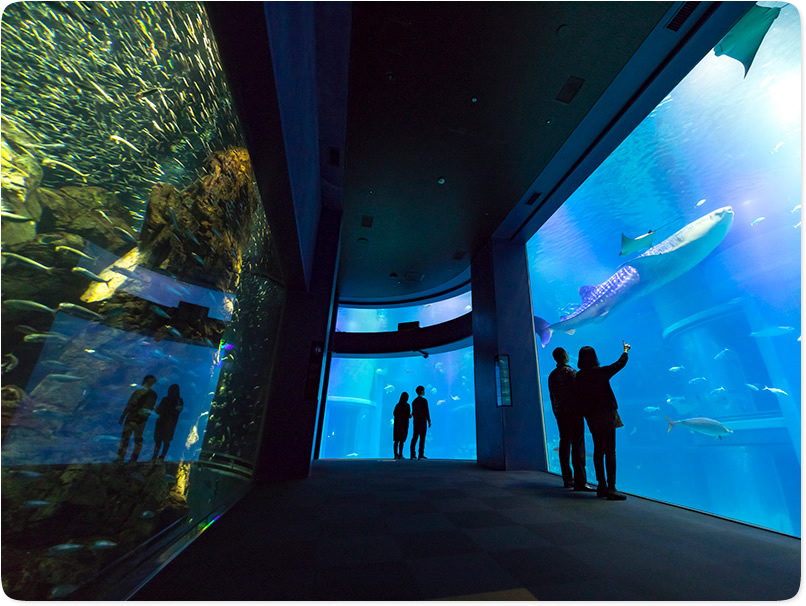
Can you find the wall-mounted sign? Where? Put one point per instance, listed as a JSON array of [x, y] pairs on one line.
[[503, 388]]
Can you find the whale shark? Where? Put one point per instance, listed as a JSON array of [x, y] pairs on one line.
[[659, 265]]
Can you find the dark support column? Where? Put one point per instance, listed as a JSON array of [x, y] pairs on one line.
[[295, 394], [508, 437]]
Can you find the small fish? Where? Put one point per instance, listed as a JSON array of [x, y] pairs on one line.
[[772, 331], [651, 409], [61, 591], [191, 237], [42, 337], [49, 161], [796, 225], [88, 274], [65, 378], [751, 387], [35, 504], [389, 388], [796, 209], [440, 402], [150, 91], [14, 217], [172, 216], [160, 312], [79, 310], [433, 391], [757, 221], [103, 214], [11, 364], [125, 235], [173, 331], [718, 390], [56, 365], [197, 258], [123, 141], [677, 368], [722, 354], [380, 371], [27, 261], [696, 380], [46, 412], [454, 398], [107, 438], [775, 390], [28, 474], [125, 272], [65, 548], [103, 544], [147, 514], [701, 202], [25, 329], [73, 251]]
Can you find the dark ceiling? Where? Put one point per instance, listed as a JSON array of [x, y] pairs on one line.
[[452, 114]]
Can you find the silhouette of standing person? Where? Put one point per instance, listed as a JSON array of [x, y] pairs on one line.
[[419, 412], [168, 411], [135, 415], [601, 412], [401, 429], [568, 412]]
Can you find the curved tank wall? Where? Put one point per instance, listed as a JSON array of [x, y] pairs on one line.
[[363, 319], [714, 321], [362, 394], [134, 243]]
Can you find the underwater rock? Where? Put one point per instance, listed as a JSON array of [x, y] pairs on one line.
[[199, 233], [90, 212], [11, 398], [21, 175]]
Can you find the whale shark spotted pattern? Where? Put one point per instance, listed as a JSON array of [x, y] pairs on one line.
[[659, 265]]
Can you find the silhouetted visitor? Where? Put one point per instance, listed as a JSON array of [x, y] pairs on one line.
[[168, 411], [568, 412], [134, 417], [419, 412], [401, 429], [601, 411]]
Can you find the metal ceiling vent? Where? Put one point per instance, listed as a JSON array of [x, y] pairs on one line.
[[413, 276], [570, 89], [676, 22], [366, 221]]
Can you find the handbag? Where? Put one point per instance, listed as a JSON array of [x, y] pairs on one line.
[[619, 422]]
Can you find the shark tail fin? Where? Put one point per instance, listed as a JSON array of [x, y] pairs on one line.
[[543, 330], [670, 422]]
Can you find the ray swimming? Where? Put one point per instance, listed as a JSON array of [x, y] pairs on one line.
[[744, 39], [659, 265]]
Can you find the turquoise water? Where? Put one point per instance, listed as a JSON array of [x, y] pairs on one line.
[[362, 394], [356, 319], [722, 340]]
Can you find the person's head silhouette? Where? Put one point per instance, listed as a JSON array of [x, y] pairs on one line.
[[149, 380], [420, 390], [560, 355], [587, 358]]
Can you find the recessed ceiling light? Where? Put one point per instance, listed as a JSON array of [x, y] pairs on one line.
[[474, 99], [441, 180], [362, 241]]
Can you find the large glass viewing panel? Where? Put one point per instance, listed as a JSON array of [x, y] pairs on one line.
[[710, 397], [134, 244], [360, 319], [362, 394]]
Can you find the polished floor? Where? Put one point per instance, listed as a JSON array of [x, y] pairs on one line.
[[430, 530]]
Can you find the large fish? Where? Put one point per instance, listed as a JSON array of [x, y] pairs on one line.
[[703, 425], [659, 265]]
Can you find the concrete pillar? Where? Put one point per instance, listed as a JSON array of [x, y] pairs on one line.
[[296, 391], [508, 438]]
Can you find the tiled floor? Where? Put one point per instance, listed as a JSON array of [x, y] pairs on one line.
[[428, 530]]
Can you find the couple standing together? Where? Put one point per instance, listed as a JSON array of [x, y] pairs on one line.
[[418, 412], [587, 394]]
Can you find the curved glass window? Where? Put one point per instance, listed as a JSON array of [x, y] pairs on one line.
[[709, 298], [359, 319], [362, 394], [135, 245]]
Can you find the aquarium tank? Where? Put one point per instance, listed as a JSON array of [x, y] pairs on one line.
[[372, 319], [140, 294], [686, 243], [362, 391]]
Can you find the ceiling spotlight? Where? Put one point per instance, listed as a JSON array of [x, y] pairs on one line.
[[474, 99], [441, 180]]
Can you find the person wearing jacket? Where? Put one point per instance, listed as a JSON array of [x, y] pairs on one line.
[[568, 411], [601, 412]]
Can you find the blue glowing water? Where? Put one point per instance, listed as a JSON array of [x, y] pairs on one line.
[[362, 393], [723, 340]]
